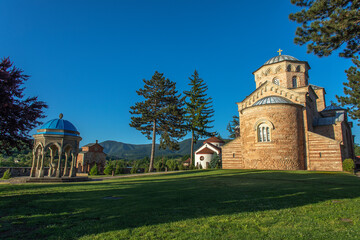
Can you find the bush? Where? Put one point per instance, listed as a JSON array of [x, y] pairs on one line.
[[118, 169], [171, 164], [134, 169], [6, 175], [109, 169], [94, 171], [348, 165], [158, 165], [181, 166], [215, 162]]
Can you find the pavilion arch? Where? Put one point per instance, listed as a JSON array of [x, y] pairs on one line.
[[37, 147], [68, 148], [51, 144]]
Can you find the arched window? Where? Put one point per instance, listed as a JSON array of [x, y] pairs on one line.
[[276, 81], [294, 82], [298, 68], [288, 68], [263, 131]]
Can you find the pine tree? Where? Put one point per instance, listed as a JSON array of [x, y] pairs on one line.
[[233, 127], [327, 25], [352, 90], [199, 111], [17, 115], [161, 113]]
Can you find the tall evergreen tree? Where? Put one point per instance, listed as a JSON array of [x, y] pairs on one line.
[[18, 115], [161, 113], [233, 127], [199, 110], [352, 90], [327, 25]]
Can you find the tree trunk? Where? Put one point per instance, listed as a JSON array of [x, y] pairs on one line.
[[151, 165], [192, 148]]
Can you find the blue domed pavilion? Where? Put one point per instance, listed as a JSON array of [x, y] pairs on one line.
[[61, 138]]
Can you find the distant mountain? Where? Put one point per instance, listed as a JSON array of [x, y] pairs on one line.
[[138, 151]]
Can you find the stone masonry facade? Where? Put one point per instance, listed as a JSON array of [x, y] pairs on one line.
[[285, 124]]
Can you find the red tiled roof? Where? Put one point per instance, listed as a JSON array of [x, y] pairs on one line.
[[213, 139], [187, 161], [217, 148], [206, 151]]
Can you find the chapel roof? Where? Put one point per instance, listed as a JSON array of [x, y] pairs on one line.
[[212, 145], [271, 100], [206, 151], [213, 139]]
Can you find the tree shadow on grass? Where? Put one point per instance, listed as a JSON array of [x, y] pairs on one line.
[[68, 211]]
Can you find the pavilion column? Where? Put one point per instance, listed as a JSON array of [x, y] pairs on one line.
[[66, 163], [51, 162], [73, 165], [32, 172], [58, 170], [41, 170]]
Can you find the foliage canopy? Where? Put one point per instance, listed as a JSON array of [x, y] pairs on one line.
[[161, 113], [199, 110], [18, 115], [352, 90], [327, 25]]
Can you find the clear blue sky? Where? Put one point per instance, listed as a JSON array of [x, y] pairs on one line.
[[87, 58]]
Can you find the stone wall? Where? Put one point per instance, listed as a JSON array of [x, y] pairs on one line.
[[231, 155], [324, 153], [18, 171], [285, 151]]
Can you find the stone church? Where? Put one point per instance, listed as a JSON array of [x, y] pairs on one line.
[[285, 124]]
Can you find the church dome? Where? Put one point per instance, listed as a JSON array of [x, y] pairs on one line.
[[58, 126], [271, 100], [280, 58]]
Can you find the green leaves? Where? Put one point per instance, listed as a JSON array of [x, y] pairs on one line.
[[328, 25], [198, 107], [18, 115], [233, 127], [352, 90], [161, 112]]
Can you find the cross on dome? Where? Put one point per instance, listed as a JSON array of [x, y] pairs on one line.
[[279, 51]]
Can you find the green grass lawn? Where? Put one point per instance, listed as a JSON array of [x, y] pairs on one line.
[[207, 204]]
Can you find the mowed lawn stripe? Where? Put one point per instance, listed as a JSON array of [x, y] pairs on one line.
[[206, 204]]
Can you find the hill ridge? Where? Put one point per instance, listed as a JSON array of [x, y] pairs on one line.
[[115, 149]]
